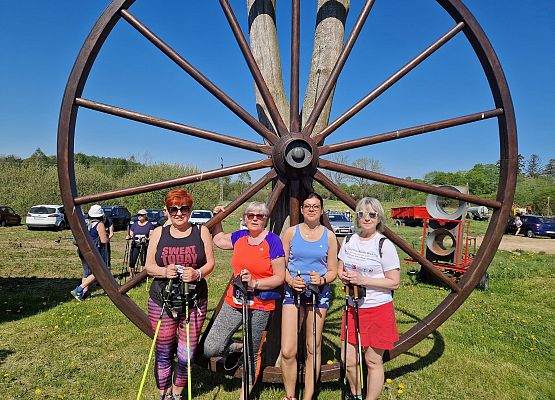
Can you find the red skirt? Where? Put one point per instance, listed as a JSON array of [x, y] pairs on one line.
[[378, 327]]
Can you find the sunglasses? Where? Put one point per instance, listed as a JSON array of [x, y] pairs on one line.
[[173, 210], [250, 216], [311, 206], [141, 215], [370, 214]]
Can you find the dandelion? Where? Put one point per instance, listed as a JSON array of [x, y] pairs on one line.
[[38, 391], [388, 380], [400, 391], [329, 362], [401, 386]]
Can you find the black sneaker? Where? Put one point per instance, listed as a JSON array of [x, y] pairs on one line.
[[233, 361]]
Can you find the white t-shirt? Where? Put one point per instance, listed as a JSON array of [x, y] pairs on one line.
[[363, 256]]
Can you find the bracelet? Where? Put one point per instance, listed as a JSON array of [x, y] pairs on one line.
[[199, 276], [324, 278], [255, 286]]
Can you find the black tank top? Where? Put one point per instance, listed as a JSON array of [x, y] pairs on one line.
[[187, 251]]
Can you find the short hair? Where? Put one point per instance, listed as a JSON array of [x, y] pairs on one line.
[[178, 197], [257, 206], [375, 204]]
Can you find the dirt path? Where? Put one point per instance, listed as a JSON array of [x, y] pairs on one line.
[[533, 245]]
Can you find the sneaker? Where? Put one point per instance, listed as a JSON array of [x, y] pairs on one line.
[[86, 295], [233, 360], [77, 293]]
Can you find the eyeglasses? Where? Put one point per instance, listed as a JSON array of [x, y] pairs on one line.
[[250, 216], [370, 214], [312, 206], [173, 210]]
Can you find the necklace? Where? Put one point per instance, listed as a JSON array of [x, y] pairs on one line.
[[309, 231]]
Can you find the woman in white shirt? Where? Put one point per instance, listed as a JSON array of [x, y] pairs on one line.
[[368, 260]]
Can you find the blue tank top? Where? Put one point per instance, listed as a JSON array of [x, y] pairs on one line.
[[305, 256]]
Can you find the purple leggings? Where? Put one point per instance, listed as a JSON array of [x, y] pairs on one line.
[[168, 341]]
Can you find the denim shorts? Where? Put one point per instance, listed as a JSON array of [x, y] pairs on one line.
[[323, 300], [86, 269]]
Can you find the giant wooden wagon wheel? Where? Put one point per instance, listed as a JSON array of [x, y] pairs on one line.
[[293, 153]]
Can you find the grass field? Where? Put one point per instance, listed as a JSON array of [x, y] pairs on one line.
[[498, 345]]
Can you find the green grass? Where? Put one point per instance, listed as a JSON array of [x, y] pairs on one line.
[[498, 345]]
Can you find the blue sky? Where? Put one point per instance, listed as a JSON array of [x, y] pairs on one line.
[[39, 41]]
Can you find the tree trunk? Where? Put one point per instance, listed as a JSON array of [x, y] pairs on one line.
[[328, 43]]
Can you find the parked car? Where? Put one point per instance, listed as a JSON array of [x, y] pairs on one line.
[[533, 225], [478, 213], [46, 216], [200, 217], [9, 217], [155, 216], [119, 215], [340, 224]]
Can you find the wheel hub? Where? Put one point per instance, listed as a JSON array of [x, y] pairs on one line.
[[295, 156]]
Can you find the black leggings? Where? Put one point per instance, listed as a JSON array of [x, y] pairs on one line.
[[135, 250]]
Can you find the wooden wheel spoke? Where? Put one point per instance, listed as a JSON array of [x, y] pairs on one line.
[[184, 180], [294, 202], [407, 132], [389, 82], [254, 69], [350, 202], [199, 77], [131, 283], [294, 115], [422, 187], [276, 193], [173, 126], [235, 204], [330, 84]]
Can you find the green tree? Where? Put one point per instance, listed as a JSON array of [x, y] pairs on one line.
[[533, 166], [549, 169]]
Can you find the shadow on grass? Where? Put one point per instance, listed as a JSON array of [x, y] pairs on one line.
[[4, 354], [22, 297], [435, 353]]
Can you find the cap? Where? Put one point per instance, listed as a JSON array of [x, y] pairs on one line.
[[142, 211]]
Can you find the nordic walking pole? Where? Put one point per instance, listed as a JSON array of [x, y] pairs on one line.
[[186, 292], [357, 328], [167, 289], [240, 286], [344, 363], [314, 291], [299, 331]]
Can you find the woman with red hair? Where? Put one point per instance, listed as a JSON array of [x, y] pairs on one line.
[[179, 252]]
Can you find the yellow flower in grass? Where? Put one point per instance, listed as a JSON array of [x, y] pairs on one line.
[[388, 380], [38, 391], [400, 391], [401, 386]]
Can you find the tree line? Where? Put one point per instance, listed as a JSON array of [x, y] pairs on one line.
[[34, 180]]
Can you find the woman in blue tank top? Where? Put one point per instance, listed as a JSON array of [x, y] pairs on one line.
[[311, 254]]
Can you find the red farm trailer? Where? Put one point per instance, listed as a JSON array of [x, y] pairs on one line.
[[409, 216]]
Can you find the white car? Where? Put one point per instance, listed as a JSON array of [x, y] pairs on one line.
[[46, 216], [199, 217]]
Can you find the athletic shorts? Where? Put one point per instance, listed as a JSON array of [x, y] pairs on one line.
[[378, 328], [306, 296]]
